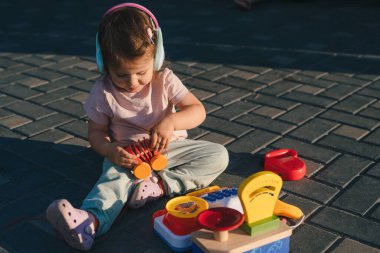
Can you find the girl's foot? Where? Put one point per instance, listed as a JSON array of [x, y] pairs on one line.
[[145, 191], [75, 225]]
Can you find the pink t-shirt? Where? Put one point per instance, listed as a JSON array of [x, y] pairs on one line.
[[130, 116]]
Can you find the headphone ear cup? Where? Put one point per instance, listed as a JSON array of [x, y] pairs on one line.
[[98, 54], [160, 53]]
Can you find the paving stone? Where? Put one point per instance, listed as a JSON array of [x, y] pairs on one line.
[[376, 105], [340, 91], [202, 94], [226, 127], [251, 68], [280, 88], [206, 85], [374, 171], [30, 110], [34, 60], [72, 146], [228, 97], [51, 136], [16, 70], [303, 79], [349, 119], [307, 206], [59, 84], [309, 99], [11, 79], [80, 97], [314, 130], [196, 133], [311, 167], [180, 68], [265, 123], [361, 196], [376, 214], [311, 239], [87, 65], [242, 84], [354, 104], [348, 224], [69, 107], [235, 110], [210, 107], [304, 149], [243, 75], [80, 73], [6, 133], [217, 73], [69, 63], [4, 113], [272, 77], [253, 142], [54, 96], [350, 146], [14, 121], [371, 113], [45, 74], [206, 66], [312, 90], [31, 82], [301, 114], [269, 112], [217, 138], [351, 246], [6, 63], [351, 132], [344, 79], [272, 101], [311, 189], [370, 92], [20, 91], [44, 124], [343, 170], [83, 86]]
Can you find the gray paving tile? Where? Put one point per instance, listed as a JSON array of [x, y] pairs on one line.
[[264, 123], [343, 170], [270, 101], [361, 196], [228, 97], [350, 132], [349, 119], [351, 246], [301, 114], [354, 226], [235, 110], [309, 99], [340, 91], [242, 84], [280, 88], [354, 104], [253, 141], [226, 127], [304, 79], [314, 130], [311, 239], [206, 85], [30, 110]]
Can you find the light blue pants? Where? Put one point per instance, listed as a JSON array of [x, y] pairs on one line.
[[193, 164]]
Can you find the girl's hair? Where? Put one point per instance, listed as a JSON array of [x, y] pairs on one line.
[[124, 33]]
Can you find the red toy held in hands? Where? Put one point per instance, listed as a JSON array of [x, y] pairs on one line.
[[285, 163], [148, 159]]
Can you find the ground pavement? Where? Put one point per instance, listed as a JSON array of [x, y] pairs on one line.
[[287, 74]]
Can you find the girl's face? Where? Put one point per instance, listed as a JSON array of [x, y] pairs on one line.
[[133, 74]]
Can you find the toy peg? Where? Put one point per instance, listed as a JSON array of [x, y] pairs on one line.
[[220, 220]]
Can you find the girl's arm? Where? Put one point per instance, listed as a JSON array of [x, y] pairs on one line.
[[190, 115], [100, 141]]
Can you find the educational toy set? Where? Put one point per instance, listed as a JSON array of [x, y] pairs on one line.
[[244, 219]]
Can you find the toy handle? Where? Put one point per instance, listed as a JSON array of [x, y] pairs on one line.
[[286, 210], [281, 152]]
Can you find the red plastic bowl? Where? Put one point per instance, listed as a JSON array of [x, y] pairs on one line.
[[220, 219]]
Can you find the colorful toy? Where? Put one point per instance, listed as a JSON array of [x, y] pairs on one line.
[[148, 159], [261, 230], [177, 221], [285, 162], [220, 197]]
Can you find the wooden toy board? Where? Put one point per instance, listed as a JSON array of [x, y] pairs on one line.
[[238, 241]]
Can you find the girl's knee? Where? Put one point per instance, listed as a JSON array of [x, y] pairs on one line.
[[221, 156]]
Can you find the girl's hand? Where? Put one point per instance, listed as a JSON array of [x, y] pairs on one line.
[[161, 134], [119, 156]]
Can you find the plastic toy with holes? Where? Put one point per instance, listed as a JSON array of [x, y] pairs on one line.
[[148, 159], [261, 230]]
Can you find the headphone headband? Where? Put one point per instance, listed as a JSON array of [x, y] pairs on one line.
[[137, 6]]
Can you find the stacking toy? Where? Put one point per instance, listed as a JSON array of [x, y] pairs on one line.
[[148, 159]]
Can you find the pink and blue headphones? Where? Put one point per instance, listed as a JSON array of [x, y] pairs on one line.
[[160, 53]]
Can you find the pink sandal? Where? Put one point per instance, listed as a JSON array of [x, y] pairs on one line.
[[145, 191], [75, 225]]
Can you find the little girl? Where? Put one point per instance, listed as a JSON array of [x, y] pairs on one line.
[[135, 99]]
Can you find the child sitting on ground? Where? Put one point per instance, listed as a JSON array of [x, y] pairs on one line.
[[135, 99]]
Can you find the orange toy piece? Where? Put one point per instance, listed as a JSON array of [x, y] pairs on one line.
[[148, 159]]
